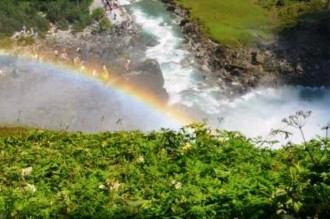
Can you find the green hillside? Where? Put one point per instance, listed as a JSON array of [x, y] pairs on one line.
[[191, 173]]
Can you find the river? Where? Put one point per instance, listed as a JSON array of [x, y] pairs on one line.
[[254, 114]]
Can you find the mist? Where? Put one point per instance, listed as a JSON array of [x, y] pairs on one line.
[[41, 95], [45, 96]]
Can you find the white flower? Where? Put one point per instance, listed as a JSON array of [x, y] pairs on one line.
[[176, 184], [30, 187], [298, 120], [114, 186], [140, 159], [26, 171], [187, 147], [103, 187]]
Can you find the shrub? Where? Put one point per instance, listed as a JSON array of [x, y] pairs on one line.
[[98, 14], [105, 24], [191, 173]]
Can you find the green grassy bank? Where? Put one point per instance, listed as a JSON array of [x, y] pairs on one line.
[[191, 173], [242, 22], [233, 22]]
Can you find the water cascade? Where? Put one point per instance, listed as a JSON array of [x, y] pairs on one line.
[[253, 114]]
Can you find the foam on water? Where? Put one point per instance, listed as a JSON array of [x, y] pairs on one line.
[[127, 2], [254, 114], [180, 81], [263, 109]]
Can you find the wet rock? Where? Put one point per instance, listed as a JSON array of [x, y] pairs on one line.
[[149, 78], [170, 8], [260, 58], [152, 43], [206, 68], [299, 68], [257, 58]]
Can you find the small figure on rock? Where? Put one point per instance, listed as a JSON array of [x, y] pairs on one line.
[[105, 73], [127, 64]]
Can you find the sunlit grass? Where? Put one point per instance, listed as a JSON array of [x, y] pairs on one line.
[[232, 22]]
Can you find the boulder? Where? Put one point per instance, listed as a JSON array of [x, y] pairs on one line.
[[170, 8], [205, 68], [149, 78], [260, 58], [257, 58]]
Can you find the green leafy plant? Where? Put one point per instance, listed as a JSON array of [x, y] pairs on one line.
[[194, 172]]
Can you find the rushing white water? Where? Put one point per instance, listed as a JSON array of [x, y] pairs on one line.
[[182, 81], [257, 112], [254, 114]]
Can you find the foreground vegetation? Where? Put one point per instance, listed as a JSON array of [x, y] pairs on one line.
[[190, 173], [241, 22]]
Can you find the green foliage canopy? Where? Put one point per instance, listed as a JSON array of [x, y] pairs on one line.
[[14, 14]]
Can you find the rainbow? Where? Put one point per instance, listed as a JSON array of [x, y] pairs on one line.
[[146, 98]]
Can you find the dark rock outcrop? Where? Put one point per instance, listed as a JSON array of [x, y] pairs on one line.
[[148, 77]]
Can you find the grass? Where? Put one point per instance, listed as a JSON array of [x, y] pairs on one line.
[[231, 22], [242, 22]]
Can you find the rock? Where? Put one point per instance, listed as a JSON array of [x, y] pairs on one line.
[[170, 8], [259, 58], [299, 68], [126, 41], [280, 3], [149, 78], [285, 67], [205, 68], [183, 22], [152, 43]]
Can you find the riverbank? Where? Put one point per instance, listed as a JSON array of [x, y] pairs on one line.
[[298, 56]]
